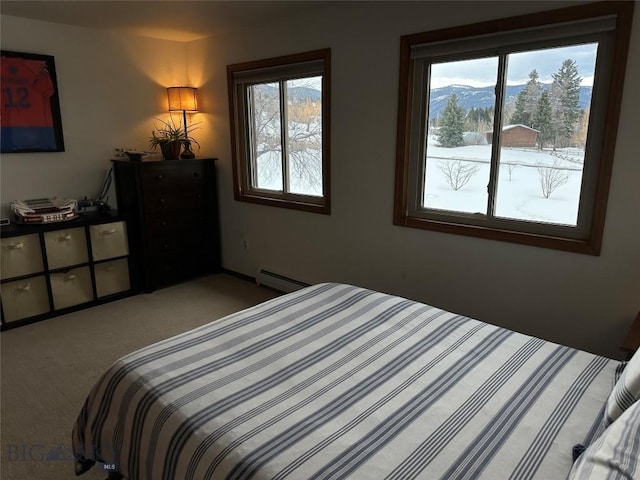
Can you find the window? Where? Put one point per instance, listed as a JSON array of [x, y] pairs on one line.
[[506, 129], [280, 130]]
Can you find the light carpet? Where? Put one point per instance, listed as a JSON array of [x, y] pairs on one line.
[[49, 367]]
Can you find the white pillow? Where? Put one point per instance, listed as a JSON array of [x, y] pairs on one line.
[[615, 454], [625, 392]]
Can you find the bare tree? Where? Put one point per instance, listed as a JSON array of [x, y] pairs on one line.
[[305, 154], [551, 177], [266, 133], [510, 168], [578, 160], [457, 172], [304, 139]]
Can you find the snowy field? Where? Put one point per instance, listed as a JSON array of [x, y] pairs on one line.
[[519, 192], [519, 197]]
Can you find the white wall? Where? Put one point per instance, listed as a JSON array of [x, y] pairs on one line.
[[583, 301], [111, 86]]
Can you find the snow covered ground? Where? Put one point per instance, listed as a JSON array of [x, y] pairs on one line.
[[519, 197], [519, 192]]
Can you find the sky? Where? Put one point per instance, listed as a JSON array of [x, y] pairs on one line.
[[483, 72]]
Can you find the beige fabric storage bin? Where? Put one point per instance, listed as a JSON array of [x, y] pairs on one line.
[[20, 256], [66, 247], [71, 287], [112, 277], [109, 240], [24, 298]]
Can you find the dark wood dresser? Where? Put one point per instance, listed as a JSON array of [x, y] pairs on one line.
[[172, 212]]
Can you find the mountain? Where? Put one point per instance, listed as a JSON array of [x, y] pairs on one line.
[[297, 93], [484, 97], [468, 97], [304, 93]]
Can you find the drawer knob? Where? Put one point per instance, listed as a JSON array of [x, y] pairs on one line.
[[21, 288], [13, 246], [158, 177], [63, 238], [164, 224], [161, 201], [109, 269], [108, 232], [69, 277]]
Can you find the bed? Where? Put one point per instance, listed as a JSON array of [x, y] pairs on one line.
[[335, 381]]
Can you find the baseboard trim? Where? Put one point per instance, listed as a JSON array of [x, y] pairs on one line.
[[242, 276], [248, 278]]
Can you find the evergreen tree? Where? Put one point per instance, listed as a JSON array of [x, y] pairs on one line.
[[451, 133], [473, 120], [479, 119], [580, 137], [565, 99], [520, 115], [533, 90], [527, 100], [488, 114], [543, 120]]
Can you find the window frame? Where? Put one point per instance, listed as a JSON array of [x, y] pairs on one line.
[[587, 237], [240, 77]]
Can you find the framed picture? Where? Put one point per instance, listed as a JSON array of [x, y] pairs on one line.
[[30, 119]]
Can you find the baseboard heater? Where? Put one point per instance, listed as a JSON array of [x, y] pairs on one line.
[[278, 282]]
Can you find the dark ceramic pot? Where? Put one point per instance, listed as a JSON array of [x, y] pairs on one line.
[[170, 150]]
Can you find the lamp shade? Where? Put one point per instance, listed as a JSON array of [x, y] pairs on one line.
[[183, 99]]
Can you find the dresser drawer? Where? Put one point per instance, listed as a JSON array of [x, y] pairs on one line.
[[24, 298], [66, 247], [165, 177], [198, 220], [20, 256], [174, 201], [170, 269], [109, 240], [72, 287], [182, 243], [112, 277]]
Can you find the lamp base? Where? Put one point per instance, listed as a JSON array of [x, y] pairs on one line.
[[187, 154]]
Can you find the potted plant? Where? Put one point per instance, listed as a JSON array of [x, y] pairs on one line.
[[170, 137]]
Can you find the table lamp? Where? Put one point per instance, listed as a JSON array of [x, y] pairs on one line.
[[183, 99]]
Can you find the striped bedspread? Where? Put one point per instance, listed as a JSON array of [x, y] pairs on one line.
[[336, 382]]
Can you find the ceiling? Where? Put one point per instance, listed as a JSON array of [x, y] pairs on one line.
[[178, 20]]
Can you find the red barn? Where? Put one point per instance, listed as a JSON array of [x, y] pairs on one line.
[[517, 136]]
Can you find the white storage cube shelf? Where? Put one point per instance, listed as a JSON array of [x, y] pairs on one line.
[[81, 266]]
